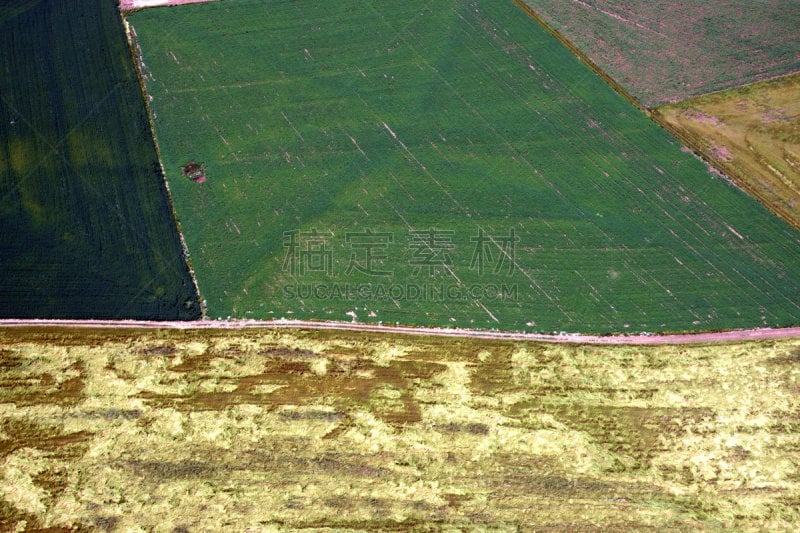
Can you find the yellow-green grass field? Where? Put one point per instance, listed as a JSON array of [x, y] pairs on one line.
[[753, 133], [265, 430]]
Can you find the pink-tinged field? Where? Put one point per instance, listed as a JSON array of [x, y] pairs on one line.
[[668, 51]]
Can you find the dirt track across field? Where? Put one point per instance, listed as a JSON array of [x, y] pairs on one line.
[[569, 338], [137, 4]]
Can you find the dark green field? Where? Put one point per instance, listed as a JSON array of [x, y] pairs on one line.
[[86, 230], [443, 163]]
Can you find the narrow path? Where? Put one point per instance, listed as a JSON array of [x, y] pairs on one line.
[[137, 4], [683, 338]]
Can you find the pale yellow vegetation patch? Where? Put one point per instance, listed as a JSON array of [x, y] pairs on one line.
[[752, 133], [319, 366], [18, 488], [384, 352]]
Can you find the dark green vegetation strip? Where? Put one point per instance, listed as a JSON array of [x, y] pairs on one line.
[[459, 167], [86, 229], [668, 51]]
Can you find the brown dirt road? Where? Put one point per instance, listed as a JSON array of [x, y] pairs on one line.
[[569, 338]]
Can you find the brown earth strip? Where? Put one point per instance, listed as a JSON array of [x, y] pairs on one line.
[[568, 338]]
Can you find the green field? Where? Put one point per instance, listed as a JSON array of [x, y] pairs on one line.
[[445, 163], [86, 230], [266, 430]]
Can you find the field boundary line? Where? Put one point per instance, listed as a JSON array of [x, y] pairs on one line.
[[691, 141], [695, 143], [138, 63], [718, 92], [619, 89], [566, 338]]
